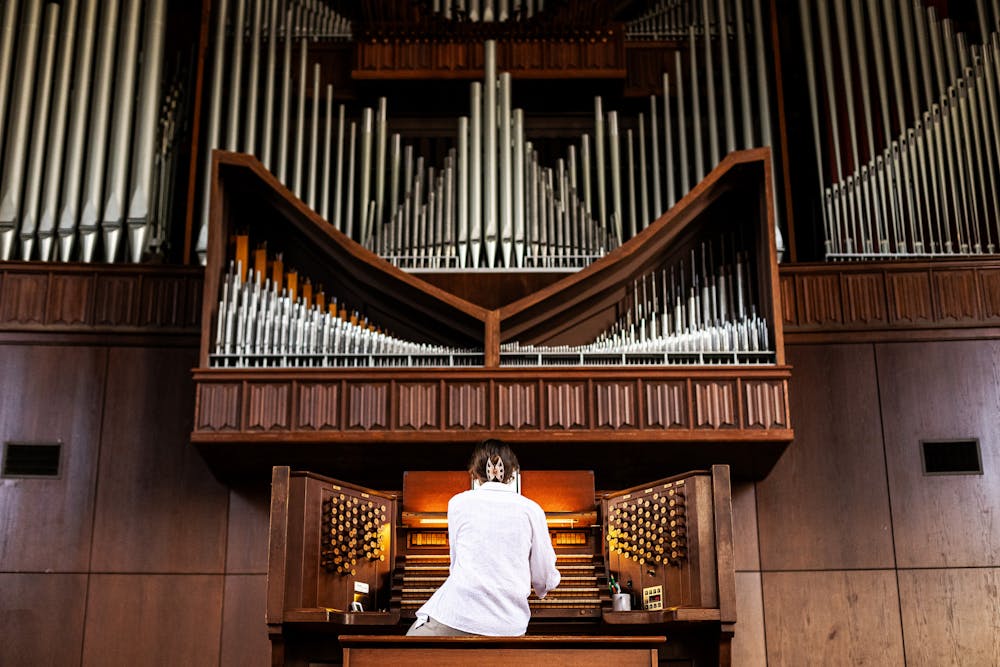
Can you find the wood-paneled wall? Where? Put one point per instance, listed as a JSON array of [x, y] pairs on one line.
[[863, 559], [845, 554], [135, 554]]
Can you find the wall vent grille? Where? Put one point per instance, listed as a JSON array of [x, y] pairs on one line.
[[31, 459], [951, 457]]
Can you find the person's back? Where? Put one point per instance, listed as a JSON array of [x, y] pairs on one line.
[[500, 550]]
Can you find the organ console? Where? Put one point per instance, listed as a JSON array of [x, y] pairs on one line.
[[335, 546]]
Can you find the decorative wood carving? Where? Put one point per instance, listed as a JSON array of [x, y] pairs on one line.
[[789, 316], [24, 298], [318, 406], [218, 407], [566, 405], [367, 405], [819, 300], [864, 299], [71, 299], [517, 405], [267, 406], [616, 405], [467, 405], [715, 406], [418, 406], [958, 297], [114, 302], [910, 297], [764, 405], [990, 281], [666, 404], [900, 300], [536, 59]]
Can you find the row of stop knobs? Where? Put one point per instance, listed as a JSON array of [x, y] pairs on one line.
[[651, 528], [350, 532]]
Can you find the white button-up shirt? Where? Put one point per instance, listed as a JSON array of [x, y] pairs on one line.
[[500, 550]]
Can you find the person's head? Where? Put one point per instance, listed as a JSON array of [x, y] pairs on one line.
[[492, 458]]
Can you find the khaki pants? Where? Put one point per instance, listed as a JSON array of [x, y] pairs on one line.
[[432, 628]]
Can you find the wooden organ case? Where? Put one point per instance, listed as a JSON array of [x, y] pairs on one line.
[[382, 428], [633, 370]]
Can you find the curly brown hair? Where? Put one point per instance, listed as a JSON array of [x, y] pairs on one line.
[[493, 450]]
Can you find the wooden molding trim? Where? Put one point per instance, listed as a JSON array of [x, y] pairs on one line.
[[88, 299], [950, 299]]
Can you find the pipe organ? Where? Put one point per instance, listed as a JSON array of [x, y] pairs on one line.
[[494, 201], [910, 170], [343, 556], [89, 142]]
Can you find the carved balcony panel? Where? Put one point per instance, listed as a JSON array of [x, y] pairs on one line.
[[418, 406], [517, 405], [368, 405], [218, 407], [715, 405], [467, 405], [318, 406], [899, 300], [24, 298], [268, 406], [765, 405], [616, 405], [566, 405], [667, 405]]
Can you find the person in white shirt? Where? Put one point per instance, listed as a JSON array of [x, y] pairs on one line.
[[500, 550]]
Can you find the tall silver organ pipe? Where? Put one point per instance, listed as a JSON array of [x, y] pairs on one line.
[[15, 162], [73, 171], [121, 128], [57, 132], [33, 181]]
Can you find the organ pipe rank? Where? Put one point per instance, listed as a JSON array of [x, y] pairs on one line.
[[492, 203]]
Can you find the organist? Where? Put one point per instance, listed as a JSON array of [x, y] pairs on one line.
[[500, 549]]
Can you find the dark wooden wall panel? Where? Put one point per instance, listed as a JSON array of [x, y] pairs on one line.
[[749, 649], [41, 616], [746, 547], [246, 545], [832, 618], [158, 507], [50, 394], [942, 390], [153, 620], [825, 504], [244, 632], [950, 616]]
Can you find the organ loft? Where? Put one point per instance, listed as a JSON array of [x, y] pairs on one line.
[[722, 273]]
